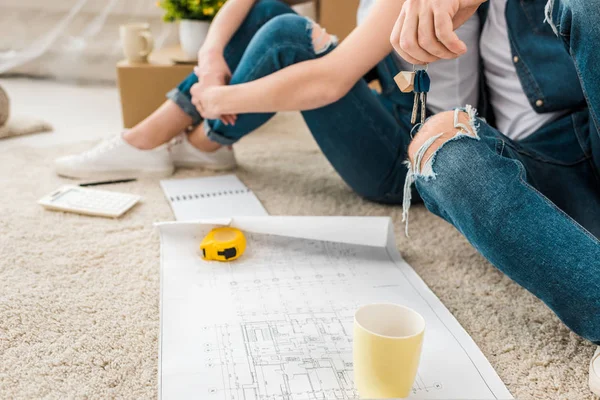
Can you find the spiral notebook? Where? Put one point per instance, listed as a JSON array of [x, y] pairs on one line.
[[222, 196]]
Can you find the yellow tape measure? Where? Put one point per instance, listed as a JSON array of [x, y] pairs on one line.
[[223, 244]]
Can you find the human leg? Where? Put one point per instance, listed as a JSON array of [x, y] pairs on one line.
[[365, 142], [576, 23], [143, 150], [164, 124], [358, 134], [473, 177], [283, 41]]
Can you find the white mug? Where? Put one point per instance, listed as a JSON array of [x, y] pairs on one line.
[[137, 41]]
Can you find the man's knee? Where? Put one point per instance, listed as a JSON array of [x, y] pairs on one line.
[[436, 131]]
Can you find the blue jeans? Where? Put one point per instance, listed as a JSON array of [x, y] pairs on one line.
[[363, 135], [532, 207]]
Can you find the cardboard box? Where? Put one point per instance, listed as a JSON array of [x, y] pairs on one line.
[[337, 16], [143, 87]]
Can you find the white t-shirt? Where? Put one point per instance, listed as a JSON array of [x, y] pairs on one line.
[[454, 83], [515, 117]]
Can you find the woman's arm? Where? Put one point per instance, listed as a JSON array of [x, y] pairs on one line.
[[315, 83], [212, 68], [226, 23]]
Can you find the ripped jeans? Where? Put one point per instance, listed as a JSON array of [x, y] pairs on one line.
[[363, 135], [532, 207]]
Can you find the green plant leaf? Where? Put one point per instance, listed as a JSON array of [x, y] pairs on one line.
[[203, 10]]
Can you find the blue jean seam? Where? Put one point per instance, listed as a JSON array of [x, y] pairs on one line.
[[539, 158], [591, 109], [500, 145], [551, 204], [359, 104], [578, 136]]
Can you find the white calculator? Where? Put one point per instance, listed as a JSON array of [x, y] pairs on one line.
[[81, 200]]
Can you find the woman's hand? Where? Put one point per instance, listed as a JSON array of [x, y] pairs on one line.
[[424, 31], [206, 101], [212, 70]]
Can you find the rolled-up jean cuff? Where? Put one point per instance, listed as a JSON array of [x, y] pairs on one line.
[[185, 104], [216, 136]]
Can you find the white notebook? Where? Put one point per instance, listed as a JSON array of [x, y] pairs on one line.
[[211, 197]]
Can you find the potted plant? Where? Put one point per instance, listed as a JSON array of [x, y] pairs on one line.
[[194, 18]]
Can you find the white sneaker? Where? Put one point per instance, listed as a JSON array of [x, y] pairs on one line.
[[595, 373], [186, 155], [116, 159]]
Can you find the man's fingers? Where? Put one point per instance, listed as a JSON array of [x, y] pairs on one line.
[[228, 119], [395, 36], [446, 35], [407, 57], [409, 41], [427, 39], [396, 40]]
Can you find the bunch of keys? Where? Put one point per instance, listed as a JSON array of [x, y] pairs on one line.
[[416, 81]]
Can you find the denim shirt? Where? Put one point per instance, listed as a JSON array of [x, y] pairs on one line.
[[544, 66]]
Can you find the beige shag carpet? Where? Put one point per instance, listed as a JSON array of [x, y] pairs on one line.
[[79, 296], [21, 125]]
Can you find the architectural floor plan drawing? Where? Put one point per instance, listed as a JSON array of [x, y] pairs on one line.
[[277, 323], [303, 357], [307, 356]]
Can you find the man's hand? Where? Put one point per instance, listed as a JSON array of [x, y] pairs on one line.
[[212, 70], [424, 31]]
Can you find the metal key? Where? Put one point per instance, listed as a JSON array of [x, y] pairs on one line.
[[417, 81]]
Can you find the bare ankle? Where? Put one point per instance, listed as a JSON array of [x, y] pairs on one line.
[[199, 140], [139, 140]]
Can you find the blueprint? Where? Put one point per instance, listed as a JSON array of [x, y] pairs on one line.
[[277, 323]]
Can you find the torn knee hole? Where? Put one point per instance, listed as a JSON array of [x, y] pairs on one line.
[[321, 40], [437, 131]]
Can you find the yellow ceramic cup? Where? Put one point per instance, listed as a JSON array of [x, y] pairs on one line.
[[387, 348]]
